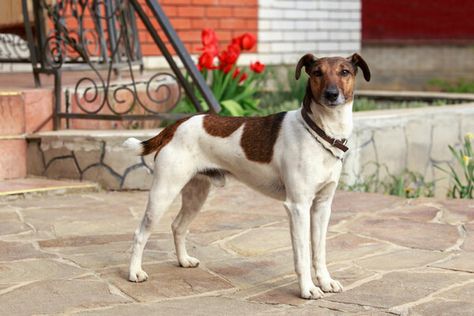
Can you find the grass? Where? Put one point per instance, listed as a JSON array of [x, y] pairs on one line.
[[460, 86]]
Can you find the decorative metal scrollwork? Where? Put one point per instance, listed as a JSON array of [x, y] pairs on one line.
[[102, 35], [13, 48]]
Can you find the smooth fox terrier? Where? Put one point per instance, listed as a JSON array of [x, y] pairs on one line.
[[294, 156]]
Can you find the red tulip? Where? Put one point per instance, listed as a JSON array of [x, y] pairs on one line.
[[257, 67], [206, 60], [247, 41], [243, 77], [236, 73], [225, 67], [230, 55], [208, 37]]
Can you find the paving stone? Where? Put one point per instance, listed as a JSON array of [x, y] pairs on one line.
[[464, 209], [288, 294], [198, 306], [348, 247], [397, 288], [208, 238], [417, 213], [34, 270], [80, 221], [166, 280], [430, 236], [463, 261], [367, 202], [249, 272], [442, 307], [11, 224], [468, 244], [51, 296], [463, 293], [260, 241], [10, 251], [217, 221], [401, 259]]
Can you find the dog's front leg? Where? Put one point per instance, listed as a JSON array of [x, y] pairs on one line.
[[299, 215], [320, 214]]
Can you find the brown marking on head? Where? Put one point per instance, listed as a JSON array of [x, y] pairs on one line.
[[331, 79], [159, 141], [259, 134]]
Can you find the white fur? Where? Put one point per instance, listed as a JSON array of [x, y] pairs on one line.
[[133, 145], [303, 174]]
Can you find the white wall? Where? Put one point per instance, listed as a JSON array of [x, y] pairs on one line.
[[288, 29]]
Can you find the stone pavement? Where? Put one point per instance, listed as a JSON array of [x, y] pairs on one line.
[[69, 255]]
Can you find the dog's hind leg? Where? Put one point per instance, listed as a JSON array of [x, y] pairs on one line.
[[194, 195], [167, 183]]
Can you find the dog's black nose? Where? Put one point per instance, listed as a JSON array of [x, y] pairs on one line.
[[331, 94]]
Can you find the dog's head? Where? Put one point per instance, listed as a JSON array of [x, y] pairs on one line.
[[331, 79]]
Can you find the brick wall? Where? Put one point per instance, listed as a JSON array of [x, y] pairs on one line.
[[228, 17]]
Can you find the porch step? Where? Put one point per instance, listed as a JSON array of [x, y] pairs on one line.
[[21, 112], [29, 187]]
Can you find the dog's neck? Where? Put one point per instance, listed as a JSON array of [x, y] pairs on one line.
[[335, 122]]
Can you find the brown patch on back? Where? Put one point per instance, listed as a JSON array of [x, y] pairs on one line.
[[163, 138], [259, 135], [222, 126]]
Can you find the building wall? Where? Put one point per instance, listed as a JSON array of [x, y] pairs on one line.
[[286, 29], [414, 21], [229, 18]]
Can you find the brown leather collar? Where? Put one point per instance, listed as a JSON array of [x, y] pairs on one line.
[[338, 143]]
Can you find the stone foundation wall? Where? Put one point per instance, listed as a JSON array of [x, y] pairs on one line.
[[411, 67], [96, 156], [413, 139]]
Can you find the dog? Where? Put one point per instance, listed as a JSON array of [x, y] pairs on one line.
[[295, 157]]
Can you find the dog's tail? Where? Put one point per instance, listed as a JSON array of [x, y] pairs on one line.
[[134, 145]]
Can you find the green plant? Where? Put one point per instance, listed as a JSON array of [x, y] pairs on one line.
[[234, 88], [460, 86], [463, 185]]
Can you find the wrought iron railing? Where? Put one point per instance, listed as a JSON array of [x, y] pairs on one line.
[[99, 38]]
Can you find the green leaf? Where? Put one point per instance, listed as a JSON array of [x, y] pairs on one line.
[[234, 108]]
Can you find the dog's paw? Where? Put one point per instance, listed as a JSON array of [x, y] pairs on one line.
[[330, 285], [189, 262], [138, 276], [312, 293]]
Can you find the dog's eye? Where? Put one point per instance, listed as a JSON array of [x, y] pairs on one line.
[[317, 73], [345, 72]]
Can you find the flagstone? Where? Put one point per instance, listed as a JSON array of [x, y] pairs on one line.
[[166, 280]]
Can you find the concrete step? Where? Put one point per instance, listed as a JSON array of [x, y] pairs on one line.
[[32, 187], [21, 112]]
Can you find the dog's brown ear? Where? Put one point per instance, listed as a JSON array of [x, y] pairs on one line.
[[358, 61], [306, 61]]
